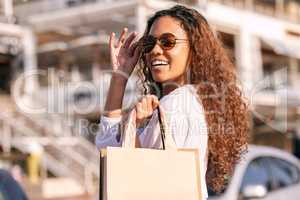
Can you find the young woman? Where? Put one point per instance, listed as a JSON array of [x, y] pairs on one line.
[[184, 64]]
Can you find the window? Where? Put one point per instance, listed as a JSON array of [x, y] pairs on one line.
[[275, 70], [257, 174], [283, 173]]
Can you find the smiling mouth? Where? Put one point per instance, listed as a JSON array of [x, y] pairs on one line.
[[156, 64]]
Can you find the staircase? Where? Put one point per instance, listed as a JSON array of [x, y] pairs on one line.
[[66, 153]]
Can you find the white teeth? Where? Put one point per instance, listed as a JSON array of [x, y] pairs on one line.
[[159, 62]]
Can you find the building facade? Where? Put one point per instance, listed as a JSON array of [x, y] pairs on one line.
[[66, 42]]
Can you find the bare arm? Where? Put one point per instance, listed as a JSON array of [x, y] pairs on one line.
[[113, 106], [124, 56]]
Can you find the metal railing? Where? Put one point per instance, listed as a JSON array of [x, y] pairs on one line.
[[63, 156], [41, 6], [288, 10]]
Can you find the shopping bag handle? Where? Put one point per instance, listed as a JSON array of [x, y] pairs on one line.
[[162, 129], [128, 132]]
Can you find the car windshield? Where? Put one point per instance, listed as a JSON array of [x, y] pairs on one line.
[[1, 196]]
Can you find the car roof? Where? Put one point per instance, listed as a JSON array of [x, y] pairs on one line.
[[255, 151]]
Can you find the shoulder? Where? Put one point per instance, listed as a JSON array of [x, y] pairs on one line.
[[186, 117], [182, 100]]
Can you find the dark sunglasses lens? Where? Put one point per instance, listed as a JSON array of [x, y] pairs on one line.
[[168, 41], [149, 43]]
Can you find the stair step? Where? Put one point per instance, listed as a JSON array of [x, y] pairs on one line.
[[61, 188], [67, 158], [55, 189]]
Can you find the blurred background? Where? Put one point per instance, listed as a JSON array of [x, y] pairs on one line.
[[54, 75]]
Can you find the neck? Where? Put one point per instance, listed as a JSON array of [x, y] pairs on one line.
[[169, 86]]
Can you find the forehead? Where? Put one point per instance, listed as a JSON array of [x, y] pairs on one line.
[[167, 24]]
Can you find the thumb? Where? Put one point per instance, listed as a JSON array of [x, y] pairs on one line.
[[155, 102]]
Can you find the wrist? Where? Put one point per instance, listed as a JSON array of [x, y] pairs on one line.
[[119, 78]]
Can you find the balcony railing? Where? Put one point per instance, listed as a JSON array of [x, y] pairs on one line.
[[30, 7], [285, 9], [288, 10], [22, 2]]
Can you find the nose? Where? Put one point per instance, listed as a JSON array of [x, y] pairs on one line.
[[157, 49]]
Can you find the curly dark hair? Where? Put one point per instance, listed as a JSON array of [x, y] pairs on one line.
[[212, 71]]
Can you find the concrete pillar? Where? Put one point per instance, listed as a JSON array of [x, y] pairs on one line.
[[202, 2], [293, 8], [96, 66], [6, 138], [30, 63], [8, 8], [279, 8], [294, 77], [141, 17], [248, 60], [249, 4], [202, 5], [96, 73]]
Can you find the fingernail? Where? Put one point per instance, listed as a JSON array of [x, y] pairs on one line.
[[125, 29]]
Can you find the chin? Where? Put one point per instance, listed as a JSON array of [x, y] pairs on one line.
[[159, 78], [178, 81]]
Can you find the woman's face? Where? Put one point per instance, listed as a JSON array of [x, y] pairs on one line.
[[168, 65]]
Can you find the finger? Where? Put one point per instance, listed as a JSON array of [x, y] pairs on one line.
[[129, 40], [112, 40], [149, 99], [144, 106], [139, 110], [122, 37], [155, 102], [112, 49]]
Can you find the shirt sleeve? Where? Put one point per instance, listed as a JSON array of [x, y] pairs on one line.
[[108, 133]]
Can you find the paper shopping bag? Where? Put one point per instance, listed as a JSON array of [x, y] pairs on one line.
[[129, 173]]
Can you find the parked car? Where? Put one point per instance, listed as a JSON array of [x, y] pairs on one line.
[[265, 173], [9, 188]]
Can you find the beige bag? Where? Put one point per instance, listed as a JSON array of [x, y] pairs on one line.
[[129, 173]]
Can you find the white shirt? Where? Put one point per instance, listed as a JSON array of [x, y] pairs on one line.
[[186, 119]]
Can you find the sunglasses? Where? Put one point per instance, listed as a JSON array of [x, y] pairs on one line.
[[166, 41]]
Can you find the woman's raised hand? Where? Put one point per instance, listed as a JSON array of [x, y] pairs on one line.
[[124, 53], [144, 108]]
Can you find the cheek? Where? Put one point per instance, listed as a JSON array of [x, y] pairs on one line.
[[179, 56]]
